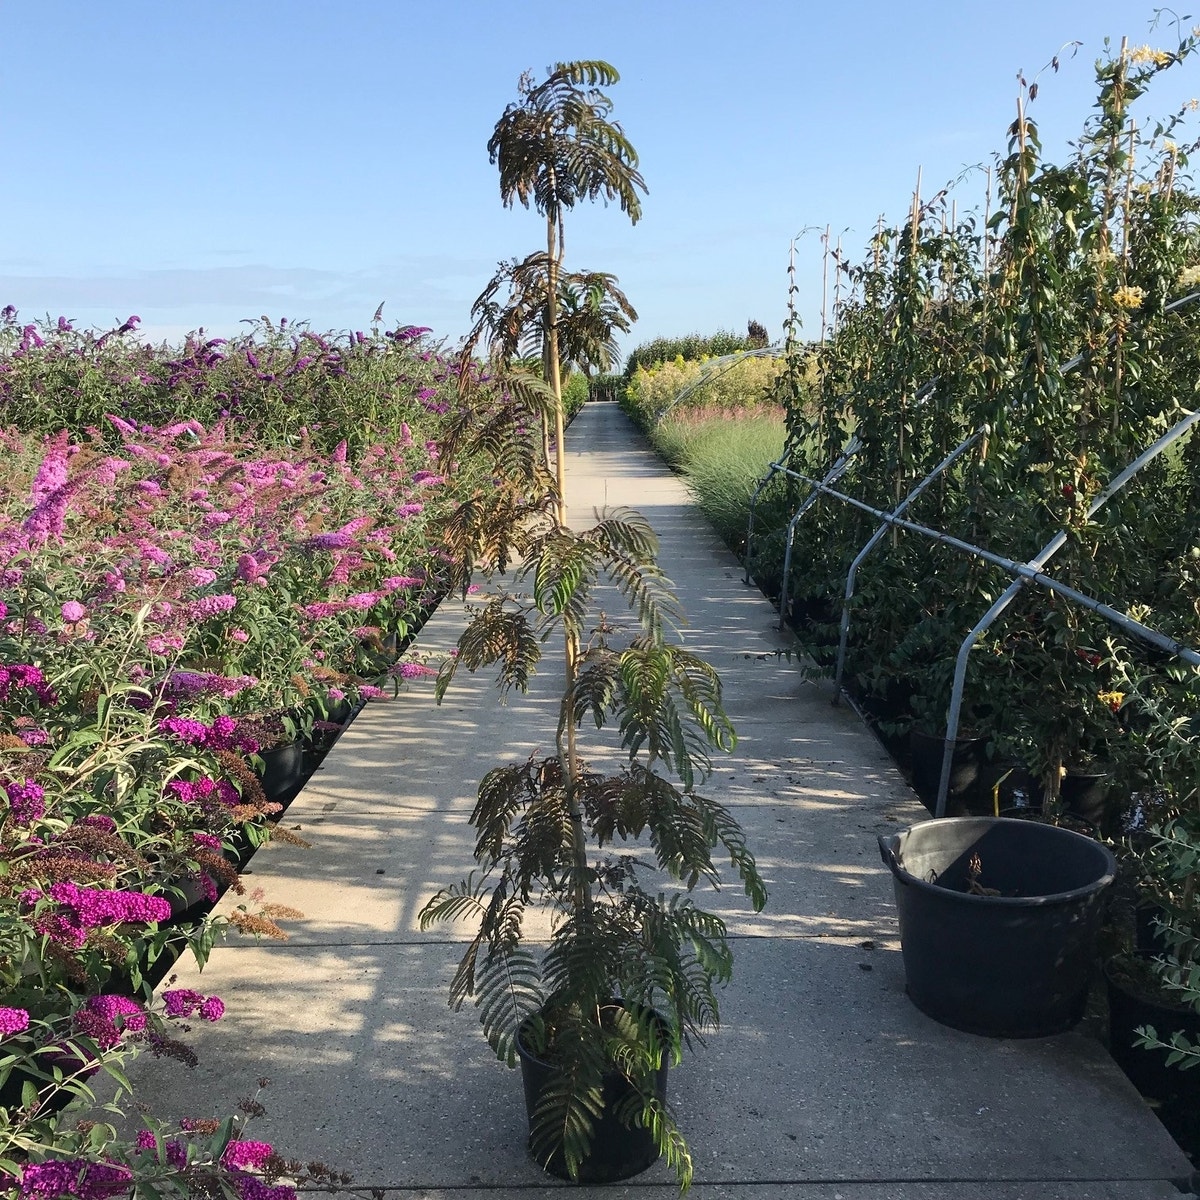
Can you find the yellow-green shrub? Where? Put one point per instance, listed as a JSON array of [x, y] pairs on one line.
[[739, 385]]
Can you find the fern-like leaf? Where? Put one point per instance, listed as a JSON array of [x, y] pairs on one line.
[[509, 992], [498, 634]]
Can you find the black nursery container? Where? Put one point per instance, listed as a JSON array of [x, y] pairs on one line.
[[1015, 964], [1174, 1093], [618, 1151]]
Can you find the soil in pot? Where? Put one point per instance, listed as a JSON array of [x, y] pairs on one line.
[[1134, 1001], [998, 921], [618, 1151]]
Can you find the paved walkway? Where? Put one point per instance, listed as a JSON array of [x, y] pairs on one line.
[[824, 1082]]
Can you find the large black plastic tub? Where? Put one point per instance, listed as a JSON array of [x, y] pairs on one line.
[[1015, 964]]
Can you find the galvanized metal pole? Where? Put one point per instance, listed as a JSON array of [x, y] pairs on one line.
[[835, 472], [877, 537], [1051, 548]]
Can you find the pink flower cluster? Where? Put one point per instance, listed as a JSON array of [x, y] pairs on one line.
[[247, 1155], [222, 734], [185, 1002], [105, 1019], [26, 801], [13, 1020], [79, 910], [23, 675], [411, 670], [195, 684], [196, 791], [174, 1150], [211, 606], [71, 1179]]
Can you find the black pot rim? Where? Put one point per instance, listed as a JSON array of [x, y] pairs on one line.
[[525, 1052], [1054, 898], [1166, 1003]]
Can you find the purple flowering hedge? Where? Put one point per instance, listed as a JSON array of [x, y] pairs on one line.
[[203, 551]]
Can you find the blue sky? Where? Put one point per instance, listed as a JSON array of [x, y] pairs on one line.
[[202, 163]]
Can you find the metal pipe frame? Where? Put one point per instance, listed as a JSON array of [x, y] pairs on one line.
[[877, 537], [1036, 563], [834, 473]]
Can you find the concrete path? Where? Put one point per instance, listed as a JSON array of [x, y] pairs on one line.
[[824, 1082]]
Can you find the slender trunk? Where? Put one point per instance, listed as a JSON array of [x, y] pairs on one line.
[[583, 894]]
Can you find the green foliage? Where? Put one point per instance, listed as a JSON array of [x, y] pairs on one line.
[[691, 347], [575, 394], [722, 456], [1045, 318], [732, 388], [556, 145], [630, 971], [280, 384]]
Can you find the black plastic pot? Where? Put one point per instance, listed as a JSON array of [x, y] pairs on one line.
[[1015, 964], [965, 766], [1006, 789], [1175, 1094], [1147, 936], [1086, 795], [283, 769], [618, 1151]]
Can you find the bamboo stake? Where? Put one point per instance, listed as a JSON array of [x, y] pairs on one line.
[[1119, 365], [986, 243], [837, 284], [824, 281]]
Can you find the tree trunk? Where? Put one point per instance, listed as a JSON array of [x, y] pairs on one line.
[[583, 894]]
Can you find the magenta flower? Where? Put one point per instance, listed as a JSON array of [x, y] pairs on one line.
[[319, 610], [211, 606], [181, 1002], [98, 821], [222, 734], [48, 518], [52, 474], [75, 1179], [252, 567], [213, 1009], [131, 1013], [411, 670], [205, 683], [197, 791], [26, 801], [13, 1020], [165, 644], [176, 1151], [27, 676], [243, 1155], [79, 910], [73, 611], [105, 1019], [253, 1188], [337, 540]]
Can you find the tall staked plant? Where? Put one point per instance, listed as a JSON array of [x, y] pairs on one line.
[[556, 146], [630, 972]]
